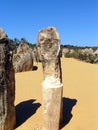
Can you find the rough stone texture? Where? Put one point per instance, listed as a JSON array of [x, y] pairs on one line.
[[52, 108], [7, 85], [35, 55], [48, 47], [23, 60]]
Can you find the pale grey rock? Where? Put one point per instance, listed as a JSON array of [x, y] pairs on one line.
[[48, 47], [65, 51]]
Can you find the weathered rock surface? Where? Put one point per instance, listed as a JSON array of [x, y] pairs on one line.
[[48, 47], [23, 60], [65, 51], [7, 85], [35, 55]]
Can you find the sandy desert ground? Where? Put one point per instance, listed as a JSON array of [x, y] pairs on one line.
[[80, 110]]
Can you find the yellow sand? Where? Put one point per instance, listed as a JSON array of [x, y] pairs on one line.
[[80, 96]]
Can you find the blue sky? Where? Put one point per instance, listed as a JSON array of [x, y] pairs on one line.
[[75, 20]]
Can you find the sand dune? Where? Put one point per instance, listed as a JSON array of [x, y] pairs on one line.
[[79, 97]]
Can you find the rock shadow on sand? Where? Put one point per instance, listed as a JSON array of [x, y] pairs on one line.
[[68, 105], [34, 68], [24, 110]]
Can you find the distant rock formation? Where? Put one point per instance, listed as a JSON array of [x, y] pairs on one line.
[[7, 85], [87, 54], [35, 55], [65, 51], [23, 60]]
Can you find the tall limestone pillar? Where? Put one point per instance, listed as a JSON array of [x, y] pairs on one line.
[[7, 85], [48, 47]]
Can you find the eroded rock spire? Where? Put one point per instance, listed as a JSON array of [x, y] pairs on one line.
[[48, 47], [7, 85]]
